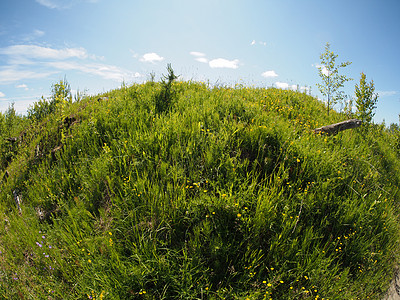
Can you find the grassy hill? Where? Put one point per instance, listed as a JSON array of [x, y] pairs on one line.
[[187, 191]]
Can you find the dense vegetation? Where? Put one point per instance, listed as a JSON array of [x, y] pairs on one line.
[[218, 193]]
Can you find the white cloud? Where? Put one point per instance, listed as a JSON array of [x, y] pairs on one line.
[[202, 60], [200, 56], [303, 89], [285, 85], [215, 63], [224, 63], [268, 74], [22, 86], [197, 54], [2, 95], [151, 57], [281, 85], [324, 70], [253, 42]]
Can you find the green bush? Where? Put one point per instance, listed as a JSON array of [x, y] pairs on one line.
[[60, 97]]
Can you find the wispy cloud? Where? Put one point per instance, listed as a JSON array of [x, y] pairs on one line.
[[254, 42], [101, 70], [2, 95], [199, 56], [151, 57], [134, 54], [62, 4], [33, 35], [37, 52], [386, 93], [34, 62], [11, 74], [2, 30], [268, 74], [20, 104], [49, 3], [38, 33]]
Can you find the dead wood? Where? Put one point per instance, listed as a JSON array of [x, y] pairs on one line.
[[335, 128]]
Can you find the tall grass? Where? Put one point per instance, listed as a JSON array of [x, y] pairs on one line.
[[227, 194]]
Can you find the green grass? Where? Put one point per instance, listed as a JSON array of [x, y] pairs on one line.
[[224, 194]]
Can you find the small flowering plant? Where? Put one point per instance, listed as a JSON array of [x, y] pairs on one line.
[[41, 255]]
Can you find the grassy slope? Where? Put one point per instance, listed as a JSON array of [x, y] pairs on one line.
[[226, 195]]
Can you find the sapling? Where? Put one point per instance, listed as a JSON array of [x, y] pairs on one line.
[[164, 98], [332, 81]]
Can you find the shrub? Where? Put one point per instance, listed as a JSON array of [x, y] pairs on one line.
[[164, 98], [60, 96]]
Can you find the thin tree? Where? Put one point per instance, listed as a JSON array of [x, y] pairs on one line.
[[332, 81]]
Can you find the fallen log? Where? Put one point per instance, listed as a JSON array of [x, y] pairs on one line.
[[335, 128]]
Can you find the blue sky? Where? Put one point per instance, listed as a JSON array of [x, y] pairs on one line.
[[98, 44]]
